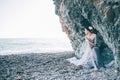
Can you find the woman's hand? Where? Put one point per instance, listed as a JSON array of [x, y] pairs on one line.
[[90, 43]]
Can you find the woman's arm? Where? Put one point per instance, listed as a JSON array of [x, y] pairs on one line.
[[92, 44], [95, 41], [87, 40]]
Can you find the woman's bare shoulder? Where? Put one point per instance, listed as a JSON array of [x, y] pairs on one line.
[[94, 35]]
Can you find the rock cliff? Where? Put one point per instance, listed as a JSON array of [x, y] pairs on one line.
[[103, 15]]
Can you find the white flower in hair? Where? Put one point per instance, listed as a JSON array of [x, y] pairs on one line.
[[90, 27]]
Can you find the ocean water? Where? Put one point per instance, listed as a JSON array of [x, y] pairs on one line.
[[33, 45]]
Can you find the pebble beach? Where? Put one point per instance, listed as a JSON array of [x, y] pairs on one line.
[[49, 66]]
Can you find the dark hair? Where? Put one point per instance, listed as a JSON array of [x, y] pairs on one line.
[[87, 25], [91, 29]]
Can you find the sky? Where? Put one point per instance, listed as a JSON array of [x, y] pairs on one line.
[[29, 19]]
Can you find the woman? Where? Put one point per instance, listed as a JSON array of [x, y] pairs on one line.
[[89, 58], [91, 41]]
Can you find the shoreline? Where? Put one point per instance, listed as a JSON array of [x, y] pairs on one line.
[[49, 66], [5, 53]]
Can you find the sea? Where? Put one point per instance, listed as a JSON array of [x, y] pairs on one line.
[[10, 46]]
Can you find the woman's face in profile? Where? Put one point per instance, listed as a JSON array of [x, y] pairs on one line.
[[86, 31]]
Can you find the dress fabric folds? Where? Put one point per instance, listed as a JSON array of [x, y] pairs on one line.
[[87, 60]]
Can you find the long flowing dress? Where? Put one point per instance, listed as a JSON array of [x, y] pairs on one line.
[[87, 60]]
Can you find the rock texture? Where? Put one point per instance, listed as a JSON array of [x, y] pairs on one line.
[[103, 15]]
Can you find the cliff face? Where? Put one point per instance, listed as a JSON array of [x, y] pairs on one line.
[[103, 15]]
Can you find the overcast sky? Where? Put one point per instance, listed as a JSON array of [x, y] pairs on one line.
[[29, 18]]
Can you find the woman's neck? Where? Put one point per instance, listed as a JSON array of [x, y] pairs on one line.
[[89, 34]]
